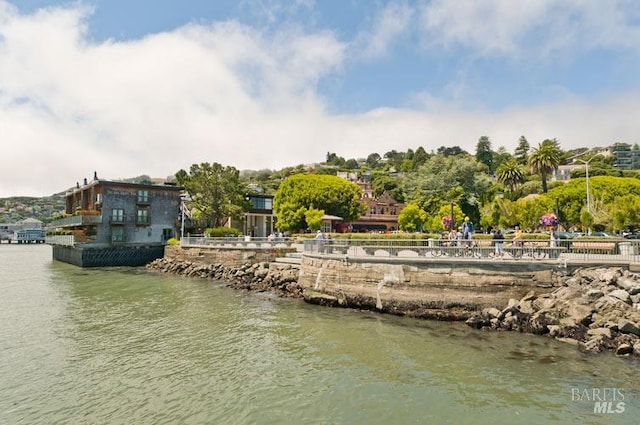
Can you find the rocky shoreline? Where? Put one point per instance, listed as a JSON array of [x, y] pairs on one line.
[[595, 309], [281, 279]]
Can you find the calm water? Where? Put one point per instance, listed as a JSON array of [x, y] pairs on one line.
[[127, 346]]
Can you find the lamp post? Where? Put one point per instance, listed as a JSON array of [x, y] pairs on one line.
[[182, 218], [452, 218], [586, 163], [183, 197]]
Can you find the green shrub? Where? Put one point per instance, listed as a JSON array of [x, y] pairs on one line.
[[59, 232], [219, 232], [173, 241]]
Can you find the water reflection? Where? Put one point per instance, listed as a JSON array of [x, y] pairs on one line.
[[129, 346]]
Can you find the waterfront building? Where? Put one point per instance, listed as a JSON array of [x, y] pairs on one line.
[[27, 228], [627, 157], [259, 220], [110, 223], [382, 212]]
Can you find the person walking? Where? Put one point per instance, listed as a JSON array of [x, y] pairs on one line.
[[467, 230], [517, 237], [498, 242]]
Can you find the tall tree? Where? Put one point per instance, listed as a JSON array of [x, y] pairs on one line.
[[419, 158], [501, 156], [511, 174], [216, 192], [545, 159], [412, 218], [522, 151], [382, 182], [373, 160], [394, 159], [484, 154], [443, 179], [300, 193], [333, 159], [450, 151]]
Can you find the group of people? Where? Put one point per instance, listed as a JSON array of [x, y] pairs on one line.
[[273, 236], [459, 237]]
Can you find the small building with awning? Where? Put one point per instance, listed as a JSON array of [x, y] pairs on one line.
[[329, 222]]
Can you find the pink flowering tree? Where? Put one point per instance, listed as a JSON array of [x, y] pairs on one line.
[[549, 220], [447, 221]]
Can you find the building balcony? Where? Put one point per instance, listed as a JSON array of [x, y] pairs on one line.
[[379, 217], [77, 221]]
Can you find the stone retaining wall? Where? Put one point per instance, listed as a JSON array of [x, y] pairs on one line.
[[429, 290], [232, 257]]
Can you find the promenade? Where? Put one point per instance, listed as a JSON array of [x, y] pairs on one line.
[[568, 254]]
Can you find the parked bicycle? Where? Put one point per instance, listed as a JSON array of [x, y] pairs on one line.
[[519, 249], [468, 249]]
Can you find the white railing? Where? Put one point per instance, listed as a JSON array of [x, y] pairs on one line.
[[67, 240], [584, 249], [236, 242], [76, 220]]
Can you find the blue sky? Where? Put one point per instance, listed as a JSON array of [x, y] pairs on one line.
[[140, 87]]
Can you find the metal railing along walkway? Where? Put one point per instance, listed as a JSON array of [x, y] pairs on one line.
[[583, 249], [242, 242]]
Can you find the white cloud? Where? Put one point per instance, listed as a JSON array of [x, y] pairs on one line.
[[223, 93], [531, 28], [392, 22]]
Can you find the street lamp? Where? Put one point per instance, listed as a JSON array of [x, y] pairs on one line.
[[183, 197], [182, 218], [452, 218], [586, 163]]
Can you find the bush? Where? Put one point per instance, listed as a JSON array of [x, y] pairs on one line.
[[173, 241], [220, 232], [59, 232]]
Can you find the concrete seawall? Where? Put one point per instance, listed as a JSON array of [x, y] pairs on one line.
[[437, 289], [440, 289], [231, 257]]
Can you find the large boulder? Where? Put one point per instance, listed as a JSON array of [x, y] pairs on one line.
[[624, 349], [630, 285], [621, 294], [626, 326]]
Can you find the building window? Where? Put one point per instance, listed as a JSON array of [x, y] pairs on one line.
[[261, 203], [117, 234], [167, 234], [117, 215], [143, 216], [143, 196]]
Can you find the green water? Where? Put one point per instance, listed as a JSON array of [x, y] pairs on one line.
[[128, 346]]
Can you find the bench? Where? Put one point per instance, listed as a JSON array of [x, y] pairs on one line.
[[594, 246]]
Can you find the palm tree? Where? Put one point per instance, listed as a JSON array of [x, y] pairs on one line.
[[511, 174], [545, 159]]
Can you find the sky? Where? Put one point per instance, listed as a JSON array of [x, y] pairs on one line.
[[131, 87]]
